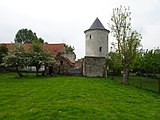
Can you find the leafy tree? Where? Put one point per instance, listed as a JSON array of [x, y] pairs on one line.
[[41, 40], [127, 40], [151, 61], [157, 60], [113, 62], [39, 56], [16, 57], [69, 48], [148, 61], [3, 51], [26, 36], [138, 64]]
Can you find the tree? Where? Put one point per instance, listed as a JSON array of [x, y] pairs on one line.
[[148, 62], [16, 57], [113, 62], [3, 51], [157, 60], [39, 56], [151, 61], [69, 48], [137, 64], [127, 40], [26, 36]]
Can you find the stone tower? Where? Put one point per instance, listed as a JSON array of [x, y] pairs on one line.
[[96, 49], [96, 40]]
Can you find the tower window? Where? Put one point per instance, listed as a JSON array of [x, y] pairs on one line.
[[90, 36], [100, 49]]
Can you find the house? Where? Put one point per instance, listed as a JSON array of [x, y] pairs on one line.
[[53, 48], [65, 60]]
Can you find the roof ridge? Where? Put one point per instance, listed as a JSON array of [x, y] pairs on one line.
[[68, 60]]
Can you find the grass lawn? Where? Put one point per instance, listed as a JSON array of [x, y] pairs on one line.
[[140, 82], [74, 98]]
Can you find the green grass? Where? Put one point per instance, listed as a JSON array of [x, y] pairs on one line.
[[140, 82], [74, 98]]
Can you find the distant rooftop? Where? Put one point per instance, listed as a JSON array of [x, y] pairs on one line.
[[97, 24], [53, 48]]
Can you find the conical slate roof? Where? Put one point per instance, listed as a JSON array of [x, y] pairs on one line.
[[97, 24]]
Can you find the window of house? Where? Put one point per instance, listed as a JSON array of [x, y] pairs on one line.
[[100, 49]]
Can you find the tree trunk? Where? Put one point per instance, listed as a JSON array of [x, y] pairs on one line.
[[147, 74], [17, 70], [37, 70], [45, 70], [140, 79], [159, 85], [125, 75], [112, 74]]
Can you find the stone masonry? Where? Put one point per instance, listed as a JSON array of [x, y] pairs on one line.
[[94, 66]]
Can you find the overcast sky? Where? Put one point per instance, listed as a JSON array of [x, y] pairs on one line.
[[64, 21]]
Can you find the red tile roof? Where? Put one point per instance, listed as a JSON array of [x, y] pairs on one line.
[[67, 60], [53, 48], [9, 45]]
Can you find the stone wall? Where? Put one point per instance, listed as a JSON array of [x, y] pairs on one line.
[[70, 55], [94, 66]]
